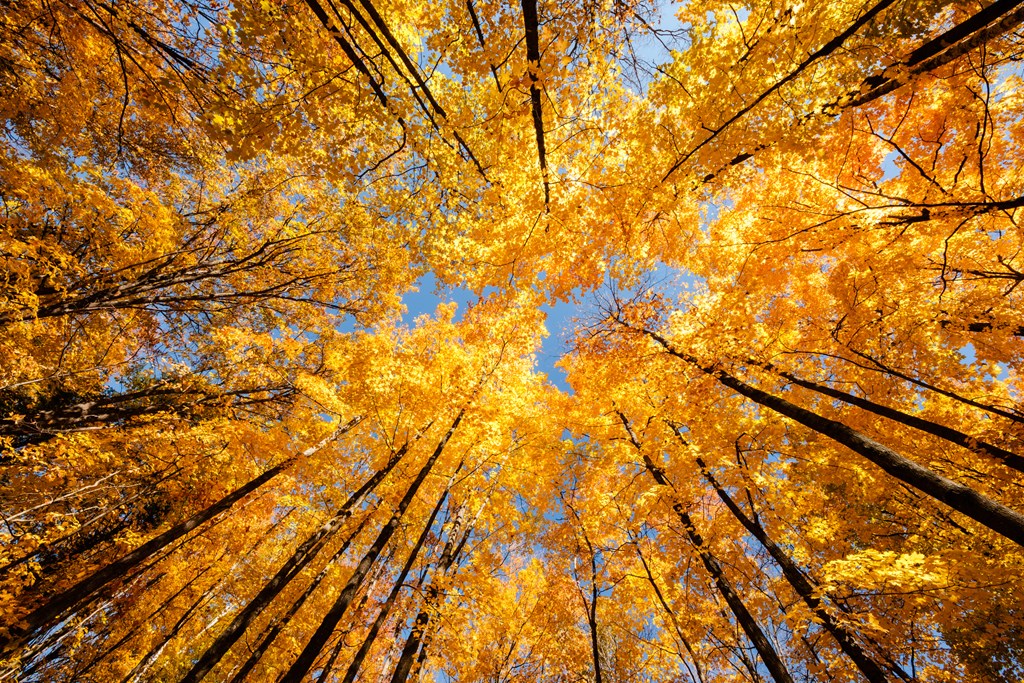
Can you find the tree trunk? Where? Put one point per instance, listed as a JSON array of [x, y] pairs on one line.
[[743, 616], [981, 509], [881, 367], [44, 616], [111, 411], [1007, 458], [671, 615], [308, 656], [416, 636], [275, 627], [204, 597], [991, 22], [800, 583], [302, 556], [385, 611], [79, 674]]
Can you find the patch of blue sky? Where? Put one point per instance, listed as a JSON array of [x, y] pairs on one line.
[[654, 48], [969, 356], [562, 318], [890, 169]]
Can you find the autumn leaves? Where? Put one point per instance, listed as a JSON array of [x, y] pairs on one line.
[[225, 457]]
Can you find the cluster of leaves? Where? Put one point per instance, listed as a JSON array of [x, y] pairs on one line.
[[225, 457]]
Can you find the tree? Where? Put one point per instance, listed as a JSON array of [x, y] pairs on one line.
[[234, 446]]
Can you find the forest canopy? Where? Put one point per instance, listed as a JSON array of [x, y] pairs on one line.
[[790, 444]]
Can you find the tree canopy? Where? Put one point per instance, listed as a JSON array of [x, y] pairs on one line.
[[791, 446]]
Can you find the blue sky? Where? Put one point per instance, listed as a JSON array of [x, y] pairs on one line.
[[560, 316], [559, 320]]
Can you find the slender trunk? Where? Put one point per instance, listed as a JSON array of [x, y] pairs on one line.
[[671, 615], [823, 52], [531, 23], [91, 533], [205, 597], [109, 411], [47, 614], [1007, 458], [881, 367], [54, 635], [275, 628], [417, 635], [764, 648], [963, 499], [385, 611], [425, 636], [589, 606], [308, 656], [800, 583], [595, 647], [326, 670], [991, 22], [743, 616], [155, 651], [303, 555], [78, 674]]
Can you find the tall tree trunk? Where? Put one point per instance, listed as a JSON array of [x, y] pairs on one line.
[[595, 647], [299, 559], [883, 368], [729, 593], [991, 22], [531, 23], [275, 627], [416, 636], [155, 651], [799, 581], [40, 424], [671, 615], [46, 615], [981, 509], [591, 606], [1007, 458], [79, 674], [385, 611], [301, 666]]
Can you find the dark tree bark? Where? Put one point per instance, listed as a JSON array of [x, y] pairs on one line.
[[671, 615], [299, 559], [744, 618], [110, 411], [385, 610], [99, 657], [992, 21], [799, 581], [203, 598], [168, 284], [824, 51], [984, 510], [49, 613], [417, 636], [595, 593], [316, 644], [532, 24], [879, 366], [1007, 458], [275, 627]]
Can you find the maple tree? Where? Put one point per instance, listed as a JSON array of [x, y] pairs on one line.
[[790, 447]]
